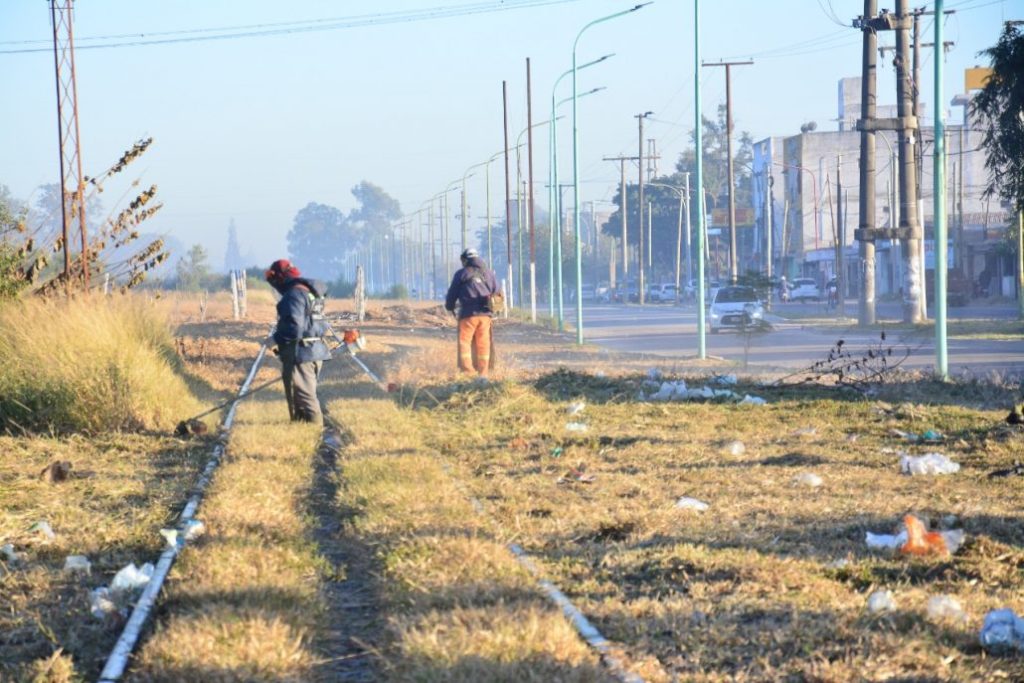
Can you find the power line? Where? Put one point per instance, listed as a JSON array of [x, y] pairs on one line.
[[307, 26]]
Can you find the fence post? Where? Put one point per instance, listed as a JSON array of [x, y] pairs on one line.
[[243, 293], [233, 276], [360, 294]]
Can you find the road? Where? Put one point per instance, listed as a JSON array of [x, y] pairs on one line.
[[793, 344]]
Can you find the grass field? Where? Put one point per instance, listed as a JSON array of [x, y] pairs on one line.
[[369, 561]]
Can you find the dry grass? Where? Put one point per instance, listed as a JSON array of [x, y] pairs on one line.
[[91, 364], [457, 606], [771, 582], [241, 606]]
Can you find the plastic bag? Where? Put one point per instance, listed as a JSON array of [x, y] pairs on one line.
[[100, 603], [131, 577], [881, 601], [945, 607], [1002, 632], [576, 408], [686, 503], [75, 564], [920, 541], [749, 400], [929, 463], [575, 427], [735, 448], [807, 479]]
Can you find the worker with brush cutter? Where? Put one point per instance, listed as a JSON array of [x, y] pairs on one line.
[[475, 288], [301, 327]]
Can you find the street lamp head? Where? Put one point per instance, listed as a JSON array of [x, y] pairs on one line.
[[641, 5]]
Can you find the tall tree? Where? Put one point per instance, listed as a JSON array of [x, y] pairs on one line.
[[375, 213], [233, 253], [318, 240], [193, 269], [1000, 107]]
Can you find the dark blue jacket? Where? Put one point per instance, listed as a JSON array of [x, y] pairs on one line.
[[294, 315], [470, 287]]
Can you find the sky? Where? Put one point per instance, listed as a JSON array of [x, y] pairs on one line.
[[253, 128]]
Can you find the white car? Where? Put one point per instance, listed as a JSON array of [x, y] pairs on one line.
[[737, 308], [661, 293], [804, 289]]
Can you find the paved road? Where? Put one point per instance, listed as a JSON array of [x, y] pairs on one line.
[[672, 331]]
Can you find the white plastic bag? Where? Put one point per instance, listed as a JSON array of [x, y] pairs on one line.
[[77, 564], [687, 503], [131, 577], [881, 601], [929, 463], [809, 479]]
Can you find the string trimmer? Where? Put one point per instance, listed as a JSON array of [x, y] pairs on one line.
[[350, 340]]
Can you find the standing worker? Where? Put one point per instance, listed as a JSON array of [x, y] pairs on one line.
[[473, 287], [299, 338]]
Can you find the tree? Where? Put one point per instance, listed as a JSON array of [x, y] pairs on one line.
[[319, 240], [1000, 108], [375, 213], [193, 269], [233, 254]]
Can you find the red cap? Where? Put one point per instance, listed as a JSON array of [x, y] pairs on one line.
[[281, 270]]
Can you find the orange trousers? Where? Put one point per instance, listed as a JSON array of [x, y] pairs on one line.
[[475, 344]]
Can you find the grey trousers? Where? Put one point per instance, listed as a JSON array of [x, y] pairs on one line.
[[300, 386]]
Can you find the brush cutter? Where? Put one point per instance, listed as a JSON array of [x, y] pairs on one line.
[[350, 340]]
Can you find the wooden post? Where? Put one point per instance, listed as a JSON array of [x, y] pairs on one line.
[[233, 277], [360, 294], [243, 289]]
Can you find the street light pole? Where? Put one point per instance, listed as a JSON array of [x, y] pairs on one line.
[[702, 352], [679, 227], [576, 171]]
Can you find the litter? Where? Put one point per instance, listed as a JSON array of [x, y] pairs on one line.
[[556, 452], [654, 373], [1002, 632], [881, 601], [920, 541], [929, 463], [171, 536], [928, 436], [43, 528], [806, 431], [77, 564], [575, 427], [885, 541], [807, 479], [194, 529], [735, 448], [753, 400], [7, 550], [945, 607], [600, 374], [686, 503], [130, 577], [100, 603], [576, 408], [725, 379], [576, 477]]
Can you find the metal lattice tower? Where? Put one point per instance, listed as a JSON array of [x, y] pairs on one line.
[[72, 181]]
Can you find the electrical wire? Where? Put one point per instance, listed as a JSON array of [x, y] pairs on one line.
[[308, 26]]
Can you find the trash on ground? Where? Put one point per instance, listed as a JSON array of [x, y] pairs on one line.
[[77, 564], [556, 452], [44, 529], [945, 607], [100, 603], [1016, 471], [725, 379], [576, 476], [753, 400], [928, 436], [1002, 632], [735, 448], [575, 427], [194, 528], [654, 373], [806, 431], [687, 503], [576, 408], [885, 541], [57, 471], [929, 463], [807, 479], [170, 536], [920, 541], [600, 374], [131, 577], [7, 550], [881, 601]]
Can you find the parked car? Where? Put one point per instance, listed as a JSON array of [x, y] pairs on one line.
[[589, 293], [804, 289], [736, 308]]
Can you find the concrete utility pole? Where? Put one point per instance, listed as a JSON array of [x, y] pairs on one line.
[[841, 245], [769, 247], [625, 211], [508, 194], [866, 233], [640, 284], [529, 195], [939, 208], [733, 261], [908, 125]]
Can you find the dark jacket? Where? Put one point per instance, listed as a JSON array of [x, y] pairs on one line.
[[470, 287], [294, 317]]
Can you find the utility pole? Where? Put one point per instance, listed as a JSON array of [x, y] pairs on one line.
[[769, 248], [529, 193], [841, 232], [508, 194], [733, 261], [908, 125], [72, 182], [625, 210], [640, 284], [939, 206]]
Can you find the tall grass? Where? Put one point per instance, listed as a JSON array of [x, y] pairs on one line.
[[91, 364]]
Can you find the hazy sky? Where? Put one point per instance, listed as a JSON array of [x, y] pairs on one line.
[[253, 128]]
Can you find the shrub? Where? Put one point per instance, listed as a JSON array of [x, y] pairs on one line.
[[90, 364]]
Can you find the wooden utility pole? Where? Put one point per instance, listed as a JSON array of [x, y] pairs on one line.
[[733, 261], [624, 210]]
